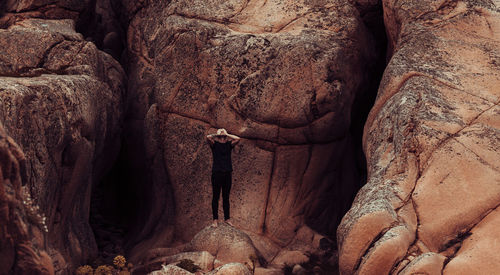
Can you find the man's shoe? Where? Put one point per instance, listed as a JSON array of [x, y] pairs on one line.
[[215, 223], [229, 222]]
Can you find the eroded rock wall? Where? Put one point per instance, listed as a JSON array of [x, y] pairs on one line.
[[61, 100], [280, 74], [431, 142], [22, 240]]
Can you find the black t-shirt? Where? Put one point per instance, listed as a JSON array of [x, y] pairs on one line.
[[221, 154]]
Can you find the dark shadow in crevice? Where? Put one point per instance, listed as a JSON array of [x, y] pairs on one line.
[[338, 198], [128, 205], [125, 203], [115, 209], [373, 18], [3, 5], [99, 23]]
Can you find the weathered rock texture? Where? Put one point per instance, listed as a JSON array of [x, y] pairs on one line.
[[431, 142], [13, 11], [231, 269], [22, 241], [280, 74], [210, 248], [61, 101]]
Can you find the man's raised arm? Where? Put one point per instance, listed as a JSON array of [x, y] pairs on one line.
[[210, 139], [234, 139]]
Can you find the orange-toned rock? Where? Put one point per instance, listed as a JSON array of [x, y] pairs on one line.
[[289, 258], [478, 251], [280, 74], [202, 259], [231, 269], [387, 251], [211, 248], [171, 270], [427, 263], [431, 142], [267, 271], [22, 243], [61, 101], [227, 244], [15, 11]]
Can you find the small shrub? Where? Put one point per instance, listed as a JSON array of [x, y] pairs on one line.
[[188, 265], [119, 261], [85, 270], [121, 267]]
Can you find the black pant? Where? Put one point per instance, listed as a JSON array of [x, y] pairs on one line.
[[221, 180]]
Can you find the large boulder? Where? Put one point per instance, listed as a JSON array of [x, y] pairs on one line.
[[227, 244], [203, 259], [431, 142], [282, 75], [231, 269], [61, 101], [171, 270]]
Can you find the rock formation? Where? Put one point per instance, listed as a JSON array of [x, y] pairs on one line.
[[280, 74], [291, 78], [61, 101], [213, 247], [431, 143], [22, 227], [13, 11]]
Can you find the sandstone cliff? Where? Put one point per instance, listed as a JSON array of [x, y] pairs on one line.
[[282, 75], [294, 79], [61, 101], [22, 239], [431, 142]]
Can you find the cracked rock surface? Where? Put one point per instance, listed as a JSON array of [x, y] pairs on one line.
[[431, 142], [61, 101], [280, 74]]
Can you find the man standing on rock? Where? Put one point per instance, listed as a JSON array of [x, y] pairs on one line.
[[222, 144]]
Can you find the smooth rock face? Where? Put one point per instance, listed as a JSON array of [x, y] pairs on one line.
[[280, 74], [227, 244], [21, 238], [203, 259], [290, 258], [268, 271], [61, 101], [171, 270], [231, 269], [431, 142]]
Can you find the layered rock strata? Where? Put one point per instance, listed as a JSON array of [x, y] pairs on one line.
[[61, 101], [280, 74], [431, 142]]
